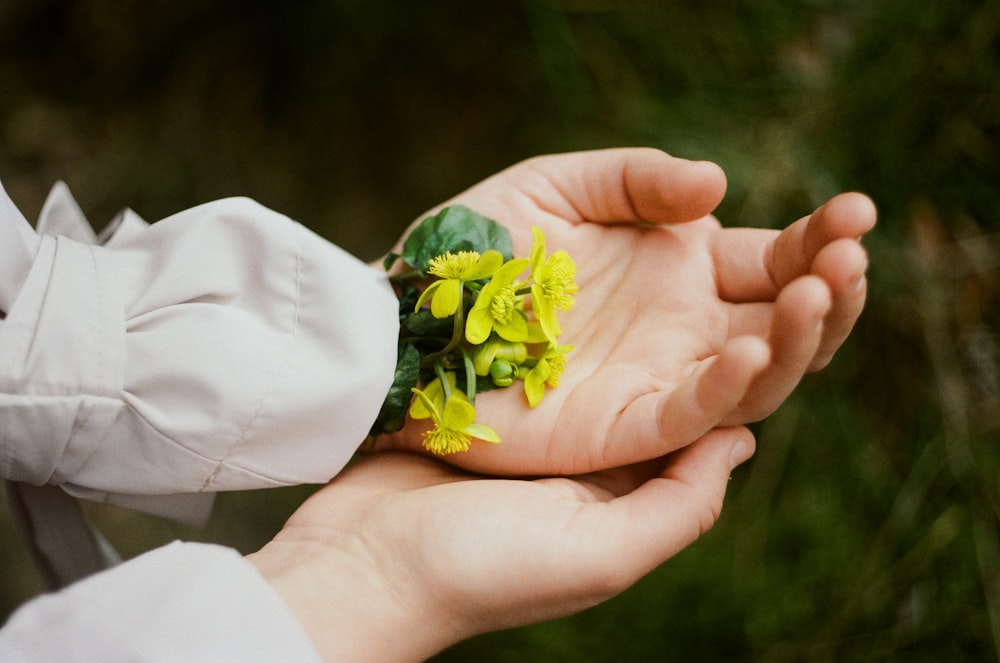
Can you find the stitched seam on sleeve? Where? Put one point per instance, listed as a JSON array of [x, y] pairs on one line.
[[273, 383], [99, 330], [101, 314], [26, 342], [101, 360]]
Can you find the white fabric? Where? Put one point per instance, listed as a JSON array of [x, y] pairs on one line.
[[183, 602], [18, 245], [225, 347]]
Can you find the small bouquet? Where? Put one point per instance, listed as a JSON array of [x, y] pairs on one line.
[[469, 323]]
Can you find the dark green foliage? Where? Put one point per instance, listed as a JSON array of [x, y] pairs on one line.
[[423, 323], [393, 413], [453, 229]]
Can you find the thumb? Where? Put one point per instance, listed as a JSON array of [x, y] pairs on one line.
[[633, 184]]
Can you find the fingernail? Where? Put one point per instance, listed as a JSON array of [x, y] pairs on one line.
[[740, 454]]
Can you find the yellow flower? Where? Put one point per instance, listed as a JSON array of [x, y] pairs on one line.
[[546, 373], [496, 307], [554, 285], [495, 348], [453, 416], [453, 269]]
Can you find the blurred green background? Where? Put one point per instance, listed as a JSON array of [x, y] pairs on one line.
[[866, 528]]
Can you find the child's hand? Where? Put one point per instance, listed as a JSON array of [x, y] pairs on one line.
[[678, 327]]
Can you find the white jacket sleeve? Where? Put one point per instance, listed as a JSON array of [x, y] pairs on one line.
[[226, 347], [183, 602]]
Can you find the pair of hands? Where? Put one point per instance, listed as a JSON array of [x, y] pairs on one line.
[[684, 331]]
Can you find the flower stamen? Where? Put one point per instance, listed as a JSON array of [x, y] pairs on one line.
[[453, 265], [503, 305]]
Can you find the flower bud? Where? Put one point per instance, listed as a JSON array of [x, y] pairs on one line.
[[495, 349], [503, 373]]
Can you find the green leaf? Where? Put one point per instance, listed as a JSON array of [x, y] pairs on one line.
[[408, 295], [456, 228], [390, 260], [393, 413], [424, 324]]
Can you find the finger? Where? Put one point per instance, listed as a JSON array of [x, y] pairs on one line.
[[659, 423], [847, 216], [624, 185], [794, 337], [634, 533], [842, 264], [754, 264], [741, 257]]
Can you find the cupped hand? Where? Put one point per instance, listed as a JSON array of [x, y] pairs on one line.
[[680, 325], [402, 555]]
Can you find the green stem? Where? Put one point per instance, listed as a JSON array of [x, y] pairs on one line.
[[405, 276], [439, 370], [456, 336], [470, 377]]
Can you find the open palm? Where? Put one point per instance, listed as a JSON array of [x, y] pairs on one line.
[[680, 325]]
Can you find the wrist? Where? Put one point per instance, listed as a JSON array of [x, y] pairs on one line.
[[350, 608]]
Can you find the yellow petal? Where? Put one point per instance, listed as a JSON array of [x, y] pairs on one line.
[[445, 300], [534, 382], [422, 406], [484, 268], [483, 355], [481, 432], [516, 330], [435, 390], [537, 249], [536, 334], [510, 271], [426, 294], [478, 325], [546, 313], [430, 400], [458, 413]]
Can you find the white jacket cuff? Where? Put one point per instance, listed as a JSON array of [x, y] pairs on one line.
[[224, 348], [182, 602]]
